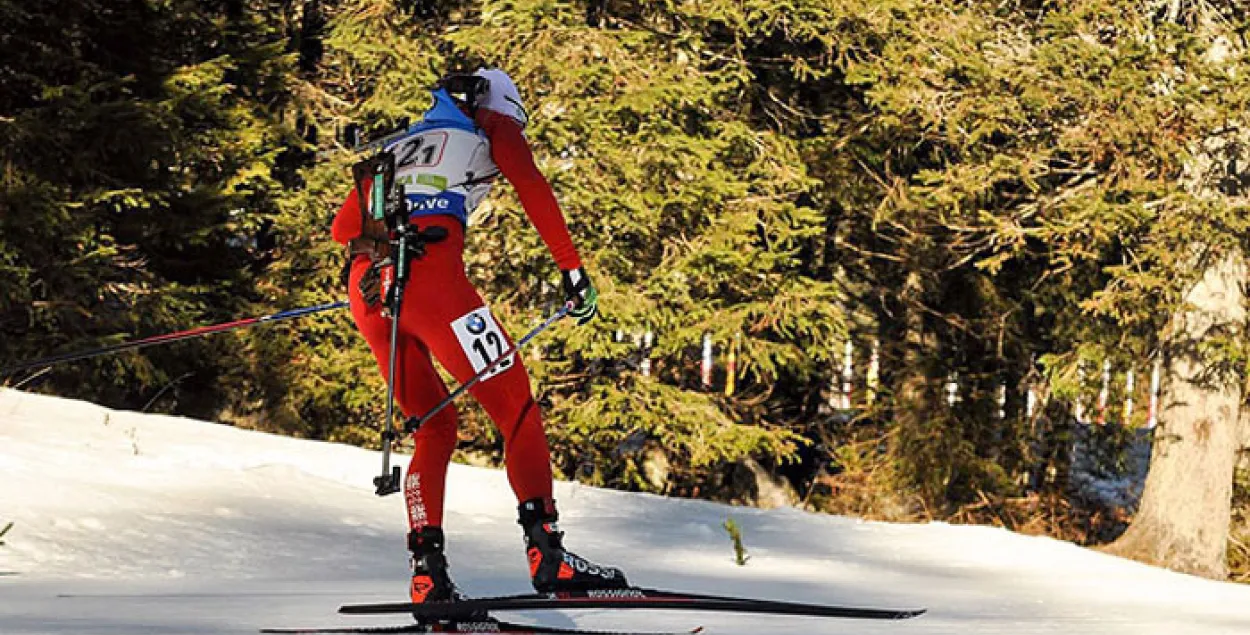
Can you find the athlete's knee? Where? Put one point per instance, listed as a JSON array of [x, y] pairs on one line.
[[439, 432], [507, 395], [521, 420]]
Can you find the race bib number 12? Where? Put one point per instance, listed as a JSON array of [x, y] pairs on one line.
[[482, 340]]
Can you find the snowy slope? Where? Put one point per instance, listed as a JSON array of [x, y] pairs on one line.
[[130, 523]]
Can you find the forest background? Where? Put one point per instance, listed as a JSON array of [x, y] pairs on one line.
[[1004, 192]]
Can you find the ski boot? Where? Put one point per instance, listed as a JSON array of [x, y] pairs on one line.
[[552, 568], [430, 580]]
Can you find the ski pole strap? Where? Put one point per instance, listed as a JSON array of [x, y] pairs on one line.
[[171, 337], [413, 424]]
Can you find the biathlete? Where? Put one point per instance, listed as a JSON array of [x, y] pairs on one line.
[[472, 133]]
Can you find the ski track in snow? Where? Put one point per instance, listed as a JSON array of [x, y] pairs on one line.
[[128, 523]]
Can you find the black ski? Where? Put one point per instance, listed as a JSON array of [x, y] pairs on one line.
[[488, 625], [632, 598]]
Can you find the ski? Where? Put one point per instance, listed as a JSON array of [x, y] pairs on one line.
[[488, 625], [631, 598]]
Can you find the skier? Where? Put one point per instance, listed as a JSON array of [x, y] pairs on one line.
[[471, 133]]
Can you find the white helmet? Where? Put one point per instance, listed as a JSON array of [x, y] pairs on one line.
[[501, 95]]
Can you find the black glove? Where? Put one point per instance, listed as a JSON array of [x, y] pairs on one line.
[[371, 283], [579, 291]]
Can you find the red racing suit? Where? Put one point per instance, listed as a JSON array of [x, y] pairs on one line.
[[444, 318]]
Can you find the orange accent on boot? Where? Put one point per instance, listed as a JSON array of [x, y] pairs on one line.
[[536, 558], [566, 572], [421, 587]]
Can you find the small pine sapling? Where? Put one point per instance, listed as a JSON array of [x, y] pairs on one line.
[[735, 534]]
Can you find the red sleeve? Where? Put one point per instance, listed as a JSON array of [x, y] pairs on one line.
[[512, 154], [346, 224]]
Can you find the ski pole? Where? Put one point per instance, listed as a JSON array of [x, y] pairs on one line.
[[172, 337], [388, 481], [415, 423]]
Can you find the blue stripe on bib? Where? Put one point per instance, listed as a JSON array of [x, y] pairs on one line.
[[445, 202]]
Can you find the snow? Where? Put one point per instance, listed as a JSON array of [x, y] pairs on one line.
[[128, 523]]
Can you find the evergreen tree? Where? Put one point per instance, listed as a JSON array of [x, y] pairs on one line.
[[1185, 513], [138, 140]]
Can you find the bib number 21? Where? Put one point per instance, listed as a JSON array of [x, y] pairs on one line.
[[482, 340]]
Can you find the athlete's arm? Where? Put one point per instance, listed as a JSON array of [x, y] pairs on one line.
[[346, 224], [512, 154]]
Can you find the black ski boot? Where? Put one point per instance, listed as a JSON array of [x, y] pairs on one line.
[[551, 567], [430, 580]]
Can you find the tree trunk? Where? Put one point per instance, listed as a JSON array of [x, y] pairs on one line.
[[1183, 520], [919, 420], [1243, 438]]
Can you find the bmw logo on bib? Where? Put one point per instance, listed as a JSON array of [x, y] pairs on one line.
[[483, 342], [475, 324]]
